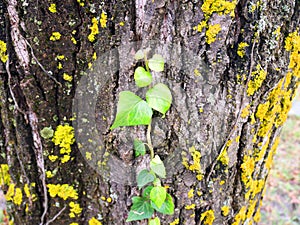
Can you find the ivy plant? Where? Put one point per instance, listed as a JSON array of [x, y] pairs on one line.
[[132, 110]]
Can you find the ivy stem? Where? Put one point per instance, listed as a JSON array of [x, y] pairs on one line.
[[149, 142], [146, 62]]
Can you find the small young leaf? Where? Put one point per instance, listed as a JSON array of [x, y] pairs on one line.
[[139, 147], [146, 192], [159, 98], [167, 207], [142, 77], [139, 54], [140, 209], [157, 166], [158, 196], [144, 178], [157, 63], [155, 221], [131, 111]]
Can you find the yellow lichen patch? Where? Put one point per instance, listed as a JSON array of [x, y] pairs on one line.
[[191, 193], [74, 209], [81, 2], [223, 158], [63, 191], [49, 174], [292, 44], [269, 160], [103, 19], [277, 33], [262, 110], [18, 196], [10, 192], [94, 221], [240, 216], [121, 23], [175, 222], [88, 155], [195, 166], [251, 208], [225, 210], [260, 153], [52, 8], [256, 217], [241, 49], [55, 36], [67, 77], [247, 167], [208, 217], [64, 138], [221, 7], [74, 223], [94, 30], [4, 175], [245, 111], [73, 40], [60, 57], [200, 26], [52, 158], [258, 77], [188, 207], [212, 32], [3, 49]]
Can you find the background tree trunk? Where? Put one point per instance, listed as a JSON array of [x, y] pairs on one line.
[[231, 113]]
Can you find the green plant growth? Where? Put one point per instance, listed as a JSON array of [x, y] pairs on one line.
[[132, 111]]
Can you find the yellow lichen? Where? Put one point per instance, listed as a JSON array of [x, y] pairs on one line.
[[94, 221], [245, 111], [241, 49], [103, 19], [63, 191], [74, 209], [188, 207], [18, 197], [10, 192], [251, 208], [49, 174], [64, 138], [52, 8], [88, 155], [73, 40], [225, 210], [240, 216], [94, 30], [55, 36], [212, 32], [60, 57], [221, 7], [223, 157], [200, 26], [74, 223], [109, 199], [121, 23], [262, 110], [258, 77], [292, 44], [81, 2], [52, 158], [3, 49], [195, 166], [191, 193], [67, 77], [269, 160], [4, 175], [247, 167], [208, 217], [175, 222]]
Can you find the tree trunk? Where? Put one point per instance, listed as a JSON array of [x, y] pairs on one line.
[[232, 68]]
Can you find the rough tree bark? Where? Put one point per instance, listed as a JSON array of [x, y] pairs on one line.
[[231, 110]]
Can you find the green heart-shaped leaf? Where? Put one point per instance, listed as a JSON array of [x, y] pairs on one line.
[[155, 221], [142, 77], [140, 209], [158, 196], [156, 63], [139, 147], [131, 111], [139, 54], [157, 166], [167, 207], [144, 178], [159, 98]]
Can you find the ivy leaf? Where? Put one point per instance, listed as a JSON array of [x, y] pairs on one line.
[[158, 196], [144, 178], [131, 111], [140, 209], [142, 77], [159, 98], [167, 207], [155, 221], [146, 192], [157, 166], [139, 54], [139, 147], [157, 63]]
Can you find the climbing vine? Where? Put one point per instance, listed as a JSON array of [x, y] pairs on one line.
[[132, 111]]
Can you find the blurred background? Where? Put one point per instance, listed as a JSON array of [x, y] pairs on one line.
[[281, 204]]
